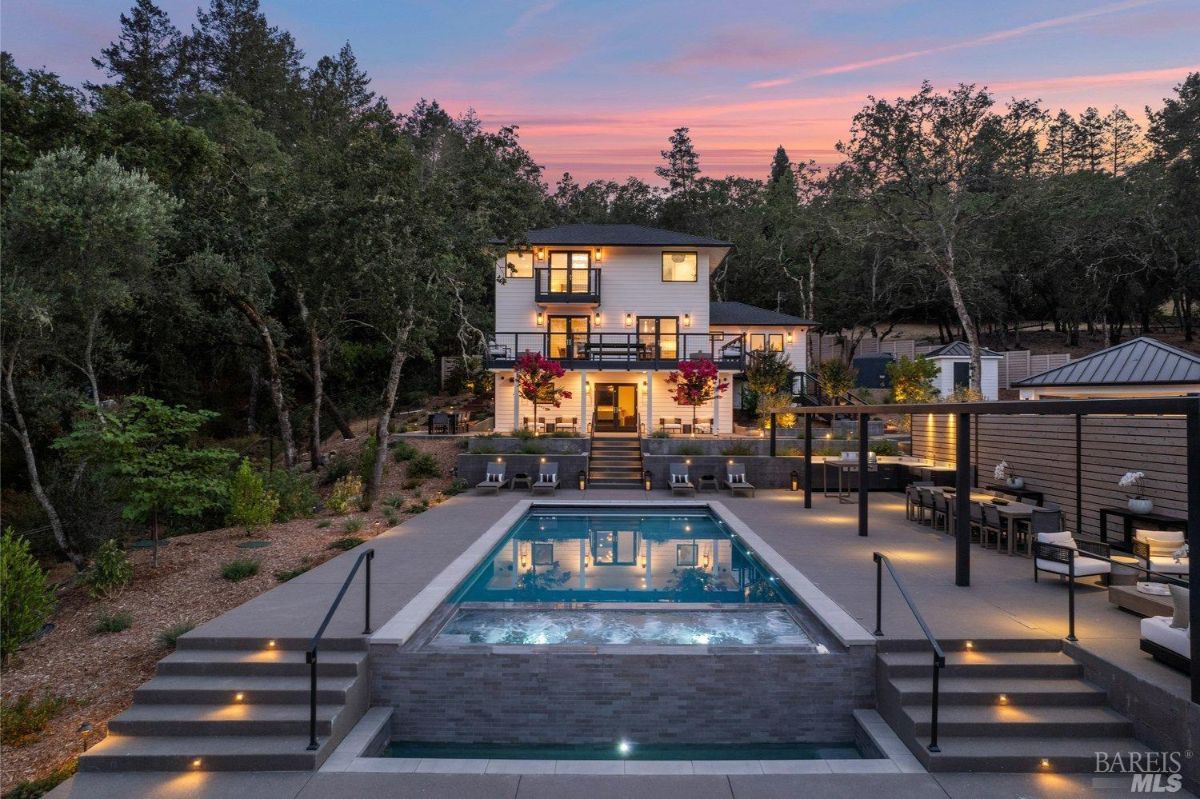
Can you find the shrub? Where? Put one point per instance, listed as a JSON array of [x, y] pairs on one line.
[[35, 789], [297, 498], [458, 486], [352, 525], [321, 525], [346, 491], [403, 451], [484, 449], [392, 518], [523, 434], [26, 602], [689, 448], [169, 636], [287, 574], [237, 570], [113, 622], [660, 434], [419, 507], [336, 470], [885, 446], [346, 542], [738, 449], [366, 458], [23, 719], [251, 506], [110, 571], [531, 448], [395, 503], [423, 465]]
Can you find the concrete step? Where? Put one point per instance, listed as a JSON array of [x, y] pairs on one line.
[[234, 719], [192, 642], [982, 664], [976, 645], [222, 690], [213, 753], [261, 663], [615, 474], [1037, 754], [1008, 720], [1018, 692], [607, 483]]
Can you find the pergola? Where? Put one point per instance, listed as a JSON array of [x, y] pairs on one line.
[[1188, 407]]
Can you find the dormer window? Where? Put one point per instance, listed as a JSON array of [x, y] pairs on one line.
[[679, 267], [519, 264]]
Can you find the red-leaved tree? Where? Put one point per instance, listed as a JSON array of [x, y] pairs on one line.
[[697, 382], [535, 376]]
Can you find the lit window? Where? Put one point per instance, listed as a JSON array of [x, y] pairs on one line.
[[679, 267], [519, 264], [776, 342]]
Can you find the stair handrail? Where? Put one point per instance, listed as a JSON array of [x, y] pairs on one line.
[[939, 655], [310, 656]]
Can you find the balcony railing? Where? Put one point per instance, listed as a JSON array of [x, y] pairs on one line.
[[618, 350], [566, 286]]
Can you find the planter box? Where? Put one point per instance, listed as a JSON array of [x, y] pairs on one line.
[[501, 446], [472, 467]]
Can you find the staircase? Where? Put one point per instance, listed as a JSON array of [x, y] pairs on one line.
[[1016, 706], [615, 462], [236, 705]]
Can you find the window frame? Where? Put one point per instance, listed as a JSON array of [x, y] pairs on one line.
[[509, 275], [662, 274]]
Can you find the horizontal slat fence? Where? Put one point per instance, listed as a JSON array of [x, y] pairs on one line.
[[1041, 449]]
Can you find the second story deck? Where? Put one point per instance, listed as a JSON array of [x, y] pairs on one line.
[[618, 351]]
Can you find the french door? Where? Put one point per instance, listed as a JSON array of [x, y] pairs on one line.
[[569, 272], [568, 336], [616, 407], [658, 337]]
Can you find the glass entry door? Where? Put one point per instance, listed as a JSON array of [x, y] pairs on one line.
[[568, 336], [658, 337], [616, 407]]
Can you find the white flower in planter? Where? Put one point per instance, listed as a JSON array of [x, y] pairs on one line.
[[1133, 480], [1001, 472]]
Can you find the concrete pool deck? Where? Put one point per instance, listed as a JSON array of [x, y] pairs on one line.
[[822, 543]]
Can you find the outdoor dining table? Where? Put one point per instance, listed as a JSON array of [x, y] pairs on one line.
[[1010, 513]]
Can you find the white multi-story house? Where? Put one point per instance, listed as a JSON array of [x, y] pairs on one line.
[[618, 306]]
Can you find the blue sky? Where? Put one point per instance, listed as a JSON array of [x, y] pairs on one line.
[[596, 87]]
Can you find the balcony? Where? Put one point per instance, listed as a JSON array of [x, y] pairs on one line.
[[552, 286], [618, 351]]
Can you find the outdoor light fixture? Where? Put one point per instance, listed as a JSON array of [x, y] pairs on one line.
[[239, 696], [1002, 699], [582, 480], [271, 644], [1045, 763], [628, 320], [795, 480], [969, 645], [598, 254], [85, 732], [539, 253], [791, 337], [647, 480], [596, 319], [540, 318], [706, 561], [624, 747], [687, 320], [196, 763]]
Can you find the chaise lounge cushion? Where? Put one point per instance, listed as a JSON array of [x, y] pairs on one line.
[[1158, 630], [1084, 566]]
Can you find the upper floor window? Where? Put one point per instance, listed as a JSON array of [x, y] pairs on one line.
[[519, 264], [679, 267], [569, 272]]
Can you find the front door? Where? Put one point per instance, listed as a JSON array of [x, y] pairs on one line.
[[616, 407]]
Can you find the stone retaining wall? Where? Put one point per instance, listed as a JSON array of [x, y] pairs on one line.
[[473, 467]]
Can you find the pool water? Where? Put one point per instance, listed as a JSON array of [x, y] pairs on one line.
[[568, 555], [624, 627], [630, 751]]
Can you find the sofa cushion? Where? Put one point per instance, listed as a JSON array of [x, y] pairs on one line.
[[1084, 566], [1174, 537], [1168, 565], [1158, 630], [1161, 548], [1064, 539], [1182, 618]]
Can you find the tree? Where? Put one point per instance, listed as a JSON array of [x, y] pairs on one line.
[[680, 172], [697, 382], [251, 506], [145, 59], [836, 378], [1060, 139], [912, 379], [26, 602], [1089, 141], [152, 450], [1124, 140], [768, 374], [535, 375]]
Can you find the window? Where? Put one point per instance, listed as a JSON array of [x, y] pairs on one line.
[[758, 342], [519, 264], [543, 553], [775, 342], [679, 267], [569, 272], [686, 555]]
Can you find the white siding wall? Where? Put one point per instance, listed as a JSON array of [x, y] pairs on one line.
[[989, 385], [797, 350]]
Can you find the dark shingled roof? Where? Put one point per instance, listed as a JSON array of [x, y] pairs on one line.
[[739, 313], [1139, 361], [959, 349], [619, 235]]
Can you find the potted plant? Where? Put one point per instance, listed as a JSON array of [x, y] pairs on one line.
[[1011, 480], [1138, 501]]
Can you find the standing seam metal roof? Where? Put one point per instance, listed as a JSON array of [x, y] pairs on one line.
[[1142, 360]]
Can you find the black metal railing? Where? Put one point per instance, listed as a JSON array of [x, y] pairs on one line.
[[566, 285], [939, 656], [618, 350], [1057, 553], [310, 657]]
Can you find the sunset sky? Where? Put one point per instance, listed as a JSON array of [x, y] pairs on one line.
[[596, 87]]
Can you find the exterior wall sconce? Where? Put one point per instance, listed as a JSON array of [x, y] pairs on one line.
[[541, 318], [647, 480], [598, 254], [539, 253], [582, 480], [596, 319], [687, 320], [795, 480], [628, 320], [791, 337]]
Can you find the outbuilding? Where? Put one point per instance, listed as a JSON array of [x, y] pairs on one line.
[[1140, 367], [954, 369]]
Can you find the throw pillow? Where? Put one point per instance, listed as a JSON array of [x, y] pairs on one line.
[[1160, 548], [1182, 618]]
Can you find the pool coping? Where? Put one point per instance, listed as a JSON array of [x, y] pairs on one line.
[[404, 624], [372, 733]]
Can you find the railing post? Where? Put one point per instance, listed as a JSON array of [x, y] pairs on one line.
[[878, 594], [1070, 595], [773, 419], [311, 657], [367, 616], [933, 708]]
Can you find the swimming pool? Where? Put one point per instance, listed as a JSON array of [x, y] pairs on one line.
[[589, 554]]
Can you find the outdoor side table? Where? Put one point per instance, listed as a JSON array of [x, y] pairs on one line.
[[707, 482], [520, 477]]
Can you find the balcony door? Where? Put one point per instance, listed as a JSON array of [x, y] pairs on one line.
[[569, 272], [568, 336], [616, 407], [658, 337]]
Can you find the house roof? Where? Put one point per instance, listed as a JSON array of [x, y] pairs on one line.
[[1140, 361], [619, 235], [959, 349], [739, 313]]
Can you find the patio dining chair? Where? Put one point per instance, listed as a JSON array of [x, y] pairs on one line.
[[925, 497], [977, 521], [912, 500], [991, 527], [941, 512], [1041, 520]]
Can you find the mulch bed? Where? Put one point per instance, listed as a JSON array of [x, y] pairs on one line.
[[97, 673]]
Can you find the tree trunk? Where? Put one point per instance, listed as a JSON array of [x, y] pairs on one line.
[[314, 355], [968, 326], [386, 405], [276, 377], [252, 402], [327, 402], [89, 367], [21, 432]]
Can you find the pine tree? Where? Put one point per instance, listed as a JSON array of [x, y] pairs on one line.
[[145, 59], [339, 92], [1060, 137], [683, 163], [1089, 142], [1123, 137], [782, 183]]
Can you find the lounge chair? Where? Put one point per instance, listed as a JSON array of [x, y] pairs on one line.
[[547, 479], [680, 482], [1052, 552], [494, 480], [735, 479], [1156, 549]]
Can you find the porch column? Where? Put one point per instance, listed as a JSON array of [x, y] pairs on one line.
[[962, 501], [1193, 533], [516, 404], [649, 401], [584, 416], [717, 409], [516, 561], [582, 564]]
